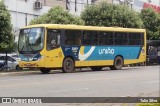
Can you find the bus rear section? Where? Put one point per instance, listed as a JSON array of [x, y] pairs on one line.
[[112, 47]]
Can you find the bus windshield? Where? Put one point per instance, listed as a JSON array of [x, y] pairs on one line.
[[31, 40]]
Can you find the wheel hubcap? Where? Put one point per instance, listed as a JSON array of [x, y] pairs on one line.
[[68, 65], [119, 63]]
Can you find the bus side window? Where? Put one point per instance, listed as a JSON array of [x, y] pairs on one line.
[[85, 39], [121, 38], [136, 39], [106, 38], [73, 37], [53, 39], [78, 38], [90, 38]]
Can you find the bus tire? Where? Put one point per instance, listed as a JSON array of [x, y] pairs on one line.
[[96, 68], [45, 70], [68, 65], [118, 63]]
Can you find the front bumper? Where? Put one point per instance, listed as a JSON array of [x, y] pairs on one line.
[[29, 64]]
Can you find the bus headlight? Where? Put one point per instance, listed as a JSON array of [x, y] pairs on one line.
[[41, 57], [38, 58]]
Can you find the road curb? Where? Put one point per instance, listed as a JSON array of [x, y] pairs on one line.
[[17, 73]]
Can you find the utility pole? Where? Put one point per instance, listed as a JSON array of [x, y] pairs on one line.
[[149, 1], [75, 5], [93, 1], [26, 19], [67, 5], [132, 2]]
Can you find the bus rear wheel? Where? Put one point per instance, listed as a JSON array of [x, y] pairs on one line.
[[68, 65], [96, 68], [45, 70], [118, 63]]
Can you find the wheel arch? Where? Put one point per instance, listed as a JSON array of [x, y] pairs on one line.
[[71, 69], [119, 56], [69, 56]]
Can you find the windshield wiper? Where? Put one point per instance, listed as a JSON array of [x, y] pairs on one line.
[[22, 48], [31, 48], [27, 46]]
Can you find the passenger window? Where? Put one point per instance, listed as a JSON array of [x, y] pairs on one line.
[[136, 39], [90, 38], [121, 38], [53, 38], [105, 38], [73, 37]]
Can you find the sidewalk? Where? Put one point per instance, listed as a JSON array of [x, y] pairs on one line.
[[36, 71], [26, 72], [10, 73]]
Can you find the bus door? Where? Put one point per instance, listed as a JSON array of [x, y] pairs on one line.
[[53, 52]]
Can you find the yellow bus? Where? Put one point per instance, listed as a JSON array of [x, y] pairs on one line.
[[66, 47]]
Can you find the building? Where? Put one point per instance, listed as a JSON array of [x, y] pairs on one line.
[[23, 11], [98, 1], [53, 3], [140, 4], [77, 6], [137, 4]]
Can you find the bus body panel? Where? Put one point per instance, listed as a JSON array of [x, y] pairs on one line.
[[88, 55], [54, 58], [104, 55], [100, 56], [26, 61]]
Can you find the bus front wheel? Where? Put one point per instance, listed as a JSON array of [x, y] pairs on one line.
[[118, 63], [68, 65], [45, 70], [96, 68]]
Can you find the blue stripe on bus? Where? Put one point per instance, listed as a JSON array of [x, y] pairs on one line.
[[109, 53], [139, 52], [103, 52]]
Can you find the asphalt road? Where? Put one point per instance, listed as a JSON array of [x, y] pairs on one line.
[[130, 81]]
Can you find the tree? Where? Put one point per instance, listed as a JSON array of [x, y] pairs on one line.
[[57, 16], [151, 21], [6, 36], [105, 14]]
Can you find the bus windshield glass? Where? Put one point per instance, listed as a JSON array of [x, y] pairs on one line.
[[31, 40]]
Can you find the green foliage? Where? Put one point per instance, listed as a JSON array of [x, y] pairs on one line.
[[57, 16], [151, 21], [6, 36], [105, 14]]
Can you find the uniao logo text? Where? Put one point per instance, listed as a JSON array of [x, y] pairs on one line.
[[106, 51]]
